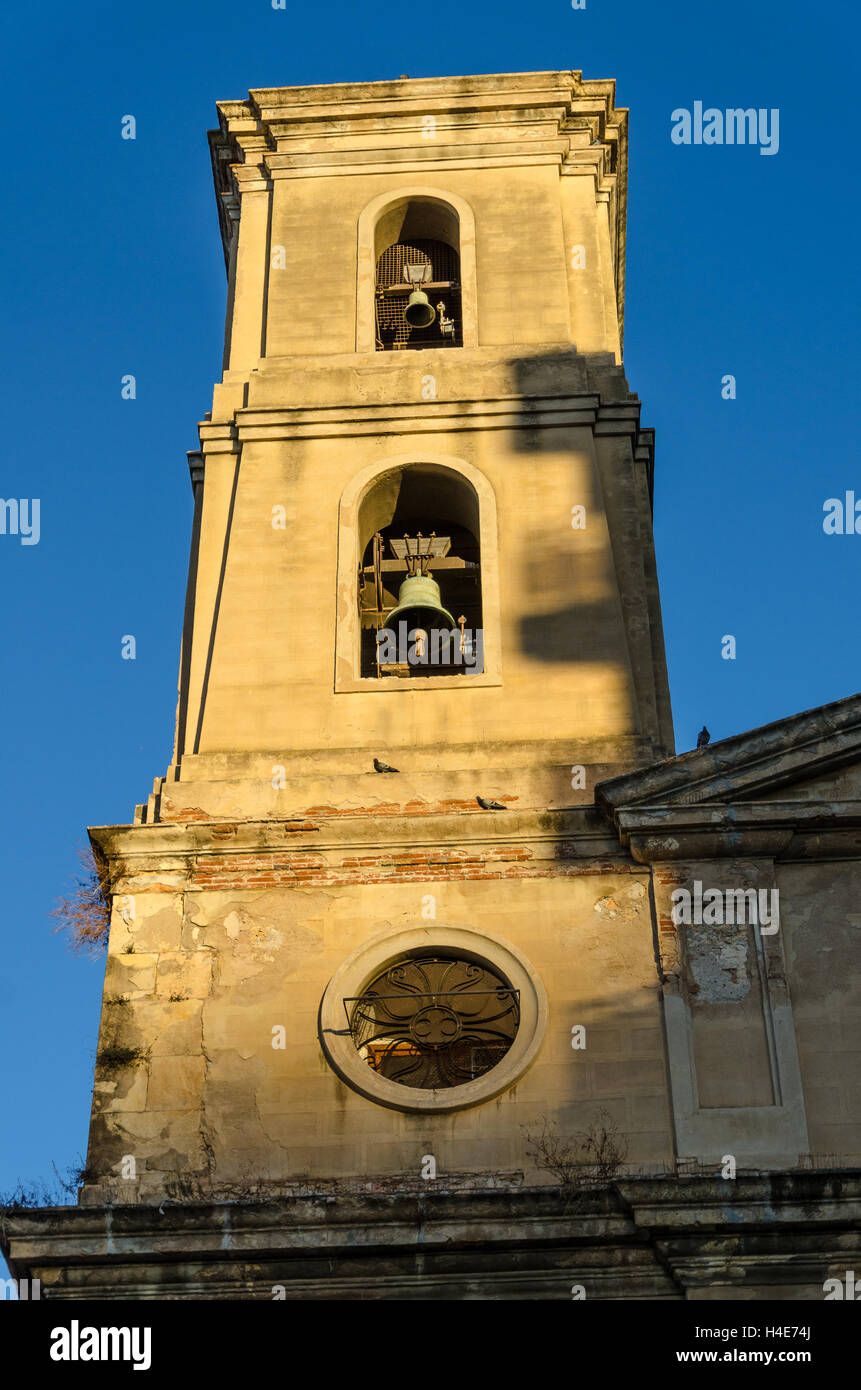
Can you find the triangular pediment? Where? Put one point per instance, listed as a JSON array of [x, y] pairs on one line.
[[807, 758]]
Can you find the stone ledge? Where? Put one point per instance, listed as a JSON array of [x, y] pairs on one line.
[[671, 1238]]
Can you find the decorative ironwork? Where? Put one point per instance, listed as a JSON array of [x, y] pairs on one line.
[[434, 1021]]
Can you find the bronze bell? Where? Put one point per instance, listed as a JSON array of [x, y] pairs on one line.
[[419, 312], [420, 603]]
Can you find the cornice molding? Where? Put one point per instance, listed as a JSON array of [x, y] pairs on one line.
[[516, 412], [640, 1236], [782, 830], [178, 846]]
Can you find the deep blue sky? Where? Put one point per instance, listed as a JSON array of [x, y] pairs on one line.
[[737, 263]]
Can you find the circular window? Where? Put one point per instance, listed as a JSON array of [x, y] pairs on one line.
[[432, 1021]]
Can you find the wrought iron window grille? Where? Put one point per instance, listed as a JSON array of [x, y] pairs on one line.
[[426, 1036]]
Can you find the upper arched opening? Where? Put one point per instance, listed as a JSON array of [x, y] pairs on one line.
[[417, 289]]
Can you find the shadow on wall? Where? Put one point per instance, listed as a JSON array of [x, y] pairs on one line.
[[565, 372], [568, 567], [575, 616]]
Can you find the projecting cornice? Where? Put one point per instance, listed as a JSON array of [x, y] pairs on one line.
[[332, 849], [505, 412], [647, 1237], [294, 128]]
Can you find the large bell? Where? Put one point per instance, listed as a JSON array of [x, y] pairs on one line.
[[420, 604], [419, 312]]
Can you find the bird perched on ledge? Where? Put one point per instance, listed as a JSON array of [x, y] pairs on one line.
[[383, 767], [489, 805], [703, 737]]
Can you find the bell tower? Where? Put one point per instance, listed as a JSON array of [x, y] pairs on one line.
[[422, 623]]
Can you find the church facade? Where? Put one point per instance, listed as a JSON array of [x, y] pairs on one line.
[[426, 906]]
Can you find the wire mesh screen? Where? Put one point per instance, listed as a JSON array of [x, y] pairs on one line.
[[392, 294]]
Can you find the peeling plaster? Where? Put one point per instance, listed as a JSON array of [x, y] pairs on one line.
[[621, 905], [717, 964]]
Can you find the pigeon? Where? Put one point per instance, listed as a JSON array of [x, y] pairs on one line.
[[703, 737], [489, 805], [383, 767]]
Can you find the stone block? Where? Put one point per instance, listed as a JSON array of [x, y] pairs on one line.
[[176, 1083]]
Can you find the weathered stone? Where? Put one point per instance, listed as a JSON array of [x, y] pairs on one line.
[[646, 1238]]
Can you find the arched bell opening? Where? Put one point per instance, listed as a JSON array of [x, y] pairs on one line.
[[417, 292], [419, 581]]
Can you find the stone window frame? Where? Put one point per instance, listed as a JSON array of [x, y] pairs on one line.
[[383, 950], [770, 1134], [348, 678], [366, 270]]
